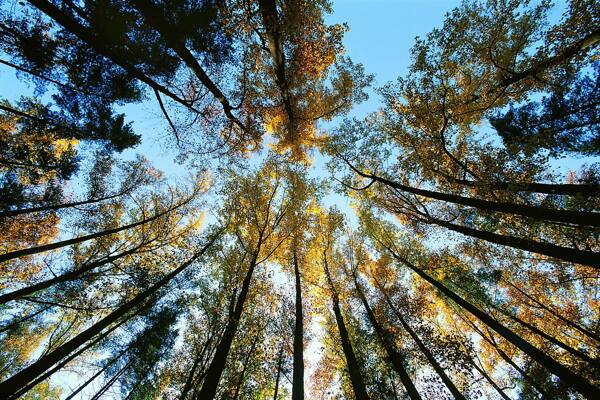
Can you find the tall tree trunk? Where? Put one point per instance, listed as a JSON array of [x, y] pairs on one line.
[[565, 374], [507, 359], [54, 207], [572, 324], [489, 379], [139, 382], [238, 387], [68, 276], [20, 379], [567, 189], [272, 28], [97, 374], [24, 319], [583, 257], [56, 245], [279, 364], [298, 378], [198, 359], [217, 365], [111, 381], [569, 349], [582, 218], [387, 341], [103, 48], [356, 379], [428, 355]]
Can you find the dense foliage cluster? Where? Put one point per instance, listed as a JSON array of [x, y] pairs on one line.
[[467, 268]]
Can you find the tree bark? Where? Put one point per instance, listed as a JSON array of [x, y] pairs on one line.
[[356, 379], [217, 365], [428, 355], [386, 340], [298, 375]]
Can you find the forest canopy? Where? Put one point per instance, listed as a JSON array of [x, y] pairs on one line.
[[458, 259]]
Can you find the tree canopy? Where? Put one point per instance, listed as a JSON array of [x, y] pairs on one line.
[[466, 265]]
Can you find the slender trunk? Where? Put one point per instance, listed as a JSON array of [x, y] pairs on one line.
[[572, 324], [110, 382], [23, 115], [139, 382], [68, 276], [54, 207], [271, 24], [24, 319], [583, 257], [430, 358], [487, 377], [156, 18], [394, 390], [565, 374], [298, 378], [279, 363], [582, 218], [577, 353], [56, 245], [388, 344], [20, 379], [217, 365], [356, 379], [506, 358], [520, 370], [567, 189], [238, 387], [190, 380], [105, 49], [46, 78], [97, 374]]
